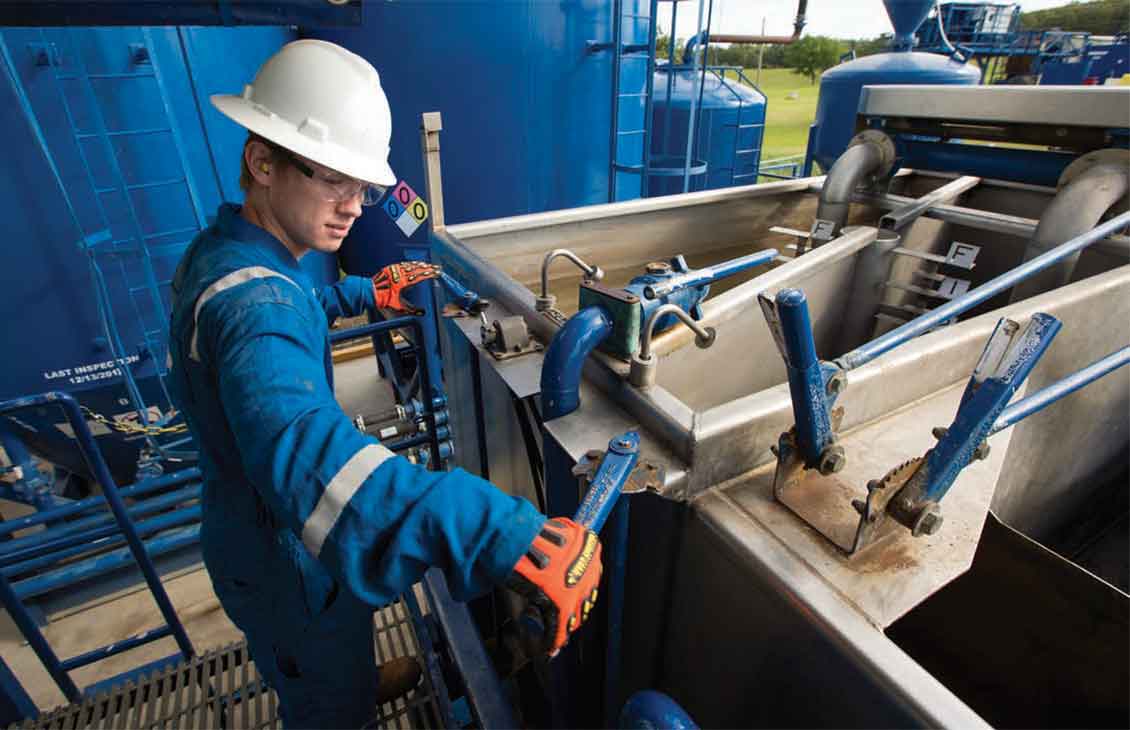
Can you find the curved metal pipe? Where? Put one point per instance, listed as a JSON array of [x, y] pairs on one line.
[[642, 374], [849, 170], [565, 357], [1077, 208], [545, 301], [780, 40], [650, 709]]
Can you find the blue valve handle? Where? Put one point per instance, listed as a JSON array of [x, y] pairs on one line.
[[1008, 358], [710, 274], [606, 485], [467, 300]]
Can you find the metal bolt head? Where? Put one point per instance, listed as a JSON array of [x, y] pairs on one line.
[[929, 521], [832, 460], [982, 451], [836, 384], [624, 443], [658, 268], [939, 432]]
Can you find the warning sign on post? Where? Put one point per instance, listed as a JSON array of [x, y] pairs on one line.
[[405, 208]]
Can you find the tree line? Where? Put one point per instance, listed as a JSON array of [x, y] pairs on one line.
[[813, 54]]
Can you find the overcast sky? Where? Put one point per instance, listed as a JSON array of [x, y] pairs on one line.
[[836, 18]]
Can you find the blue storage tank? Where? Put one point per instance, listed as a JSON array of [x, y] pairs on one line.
[[729, 128], [526, 89], [142, 156], [841, 85]]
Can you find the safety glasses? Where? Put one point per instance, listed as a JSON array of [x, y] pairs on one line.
[[335, 187]]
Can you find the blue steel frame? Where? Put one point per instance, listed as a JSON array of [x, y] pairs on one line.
[[58, 669]]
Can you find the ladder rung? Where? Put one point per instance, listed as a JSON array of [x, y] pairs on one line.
[[140, 186], [744, 174], [122, 75], [631, 132], [749, 151], [628, 96]]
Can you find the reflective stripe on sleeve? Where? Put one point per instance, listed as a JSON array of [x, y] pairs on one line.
[[235, 278], [338, 493]]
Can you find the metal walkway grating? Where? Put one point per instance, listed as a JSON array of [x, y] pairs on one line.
[[222, 689]]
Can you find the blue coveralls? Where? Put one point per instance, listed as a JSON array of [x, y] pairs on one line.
[[308, 523]]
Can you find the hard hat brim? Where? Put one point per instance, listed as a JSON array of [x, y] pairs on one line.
[[372, 170]]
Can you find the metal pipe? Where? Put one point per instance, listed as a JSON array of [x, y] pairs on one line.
[[35, 638], [91, 529], [710, 274], [899, 218], [565, 357], [1076, 208], [806, 377], [850, 169], [70, 574], [59, 513], [780, 40], [920, 325], [983, 220], [545, 301], [1038, 401], [704, 336], [99, 540]]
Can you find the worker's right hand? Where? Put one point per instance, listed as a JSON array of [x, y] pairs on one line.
[[391, 281], [559, 575]]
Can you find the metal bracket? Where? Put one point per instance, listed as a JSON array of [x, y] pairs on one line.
[[508, 338]]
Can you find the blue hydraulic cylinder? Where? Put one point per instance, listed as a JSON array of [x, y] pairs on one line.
[[1007, 359], [920, 325], [807, 383], [565, 358], [709, 274], [467, 300], [1038, 401]]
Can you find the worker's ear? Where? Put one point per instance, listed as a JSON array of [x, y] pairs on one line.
[[260, 162]]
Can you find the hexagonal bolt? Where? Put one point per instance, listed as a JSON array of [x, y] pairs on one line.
[[929, 521], [939, 432], [982, 451], [836, 384], [832, 460]]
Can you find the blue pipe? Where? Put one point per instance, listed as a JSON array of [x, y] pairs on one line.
[[106, 563], [806, 376], [920, 325], [90, 528], [81, 544], [101, 472], [1038, 401], [648, 709], [117, 647], [59, 513], [565, 358], [1038, 167]]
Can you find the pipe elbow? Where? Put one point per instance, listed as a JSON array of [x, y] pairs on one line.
[[565, 358], [866, 157]]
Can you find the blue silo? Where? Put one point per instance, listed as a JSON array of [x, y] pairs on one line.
[[841, 85], [729, 126], [528, 99], [143, 160]]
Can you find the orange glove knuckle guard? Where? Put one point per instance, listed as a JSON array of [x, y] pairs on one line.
[[391, 281]]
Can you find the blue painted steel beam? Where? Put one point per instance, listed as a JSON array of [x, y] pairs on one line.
[[565, 358], [36, 640], [15, 704], [1038, 401], [1037, 167], [117, 647], [920, 325]]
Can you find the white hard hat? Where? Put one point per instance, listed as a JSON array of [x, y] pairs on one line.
[[323, 102]]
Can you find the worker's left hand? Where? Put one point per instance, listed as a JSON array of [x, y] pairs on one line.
[[391, 281], [559, 576]]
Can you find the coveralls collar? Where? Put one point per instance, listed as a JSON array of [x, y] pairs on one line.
[[231, 224]]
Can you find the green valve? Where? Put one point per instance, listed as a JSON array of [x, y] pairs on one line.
[[625, 311]]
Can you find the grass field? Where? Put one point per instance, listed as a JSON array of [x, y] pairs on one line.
[[787, 120]]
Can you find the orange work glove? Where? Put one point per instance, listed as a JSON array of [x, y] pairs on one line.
[[559, 575], [392, 280]]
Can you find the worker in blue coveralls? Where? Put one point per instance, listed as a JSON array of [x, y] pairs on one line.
[[309, 524]]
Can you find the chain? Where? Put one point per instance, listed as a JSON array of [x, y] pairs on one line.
[[133, 428]]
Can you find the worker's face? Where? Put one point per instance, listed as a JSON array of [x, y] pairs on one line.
[[298, 210], [302, 208]]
